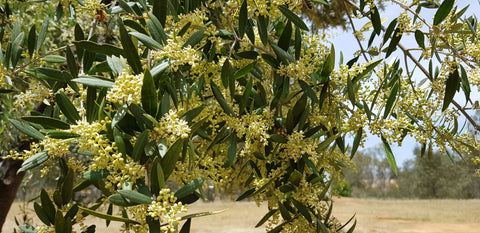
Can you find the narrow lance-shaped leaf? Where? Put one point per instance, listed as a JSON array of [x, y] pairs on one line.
[[149, 94], [32, 40], [420, 38], [34, 161], [170, 159], [376, 21], [27, 129], [391, 99], [106, 216], [293, 17], [262, 29], [242, 19], [67, 107], [131, 52], [47, 206], [106, 49], [451, 86], [443, 11], [94, 82], [189, 188], [390, 156], [47, 122], [147, 41], [135, 197], [221, 100], [138, 149], [42, 34]]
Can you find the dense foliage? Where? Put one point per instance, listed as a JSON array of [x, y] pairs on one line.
[[126, 96]]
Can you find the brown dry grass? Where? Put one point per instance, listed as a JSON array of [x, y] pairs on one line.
[[372, 215]]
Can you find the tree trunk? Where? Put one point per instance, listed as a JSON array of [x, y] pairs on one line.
[[8, 187]]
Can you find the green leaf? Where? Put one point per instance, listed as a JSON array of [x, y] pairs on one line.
[[67, 107], [106, 216], [160, 10], [138, 150], [135, 197], [390, 156], [94, 82], [221, 100], [47, 206], [394, 42], [242, 19], [352, 228], [293, 17], [27, 129], [294, 114], [323, 145], [189, 188], [286, 37], [156, 28], [329, 63], [95, 174], [149, 94], [356, 142], [51, 74], [72, 63], [119, 200], [262, 29], [170, 159], [47, 122], [443, 11], [227, 74], [391, 99], [451, 86], [244, 70], [194, 39], [34, 161], [283, 55], [55, 59], [465, 84], [246, 194], [266, 217], [157, 179], [42, 34], [41, 214], [32, 40], [302, 209], [67, 187], [93, 47], [298, 43], [186, 226], [389, 31], [308, 90], [420, 38], [147, 41], [131, 52], [376, 21], [278, 138]]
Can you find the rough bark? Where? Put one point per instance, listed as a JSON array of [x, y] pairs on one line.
[[8, 187]]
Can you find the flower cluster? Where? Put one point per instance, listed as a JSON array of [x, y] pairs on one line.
[[170, 127], [166, 210], [178, 55], [106, 153], [126, 89]]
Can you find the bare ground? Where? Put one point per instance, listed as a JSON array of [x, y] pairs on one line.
[[372, 215]]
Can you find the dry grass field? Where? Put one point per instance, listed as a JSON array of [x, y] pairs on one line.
[[372, 215]]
